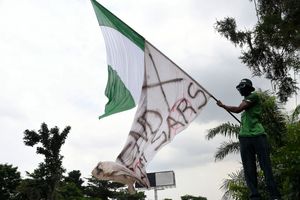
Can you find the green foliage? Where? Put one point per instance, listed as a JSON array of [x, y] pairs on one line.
[[235, 186], [286, 161], [74, 177], [271, 47], [295, 115], [100, 189], [106, 189], [227, 148], [9, 180], [71, 187], [226, 129], [190, 197], [273, 119], [69, 190], [124, 195], [32, 189]]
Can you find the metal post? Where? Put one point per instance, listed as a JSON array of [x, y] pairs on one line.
[[155, 194]]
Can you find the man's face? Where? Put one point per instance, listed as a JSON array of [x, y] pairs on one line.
[[244, 91]]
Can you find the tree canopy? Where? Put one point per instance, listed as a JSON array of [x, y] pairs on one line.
[[271, 47], [49, 173], [10, 178], [48, 181]]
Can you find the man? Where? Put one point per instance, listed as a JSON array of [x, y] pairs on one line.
[[253, 140]]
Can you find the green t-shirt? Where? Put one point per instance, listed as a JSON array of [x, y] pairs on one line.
[[250, 124]]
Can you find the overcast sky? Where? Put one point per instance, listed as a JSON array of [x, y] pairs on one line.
[[53, 69]]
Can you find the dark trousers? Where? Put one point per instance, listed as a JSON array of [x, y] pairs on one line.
[[249, 148]]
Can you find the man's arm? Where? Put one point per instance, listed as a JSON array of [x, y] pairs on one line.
[[235, 109]]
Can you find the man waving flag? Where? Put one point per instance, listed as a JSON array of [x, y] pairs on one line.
[[168, 98]]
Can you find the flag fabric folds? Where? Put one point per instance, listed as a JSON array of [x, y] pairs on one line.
[[125, 58], [169, 102], [168, 98]]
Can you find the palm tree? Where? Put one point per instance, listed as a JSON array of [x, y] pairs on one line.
[[228, 130], [295, 115], [234, 183]]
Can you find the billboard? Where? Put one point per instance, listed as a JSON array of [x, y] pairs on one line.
[[164, 179]]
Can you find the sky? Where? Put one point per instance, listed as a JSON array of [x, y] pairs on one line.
[[53, 69]]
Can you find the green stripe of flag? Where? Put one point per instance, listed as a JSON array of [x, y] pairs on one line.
[[106, 18], [119, 97]]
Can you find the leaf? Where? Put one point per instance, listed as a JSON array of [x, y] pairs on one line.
[[226, 129]]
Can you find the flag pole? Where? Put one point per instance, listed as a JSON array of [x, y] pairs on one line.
[[212, 96], [224, 108]]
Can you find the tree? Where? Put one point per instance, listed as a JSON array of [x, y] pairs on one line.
[[71, 187], [228, 130], [69, 190], [271, 47], [125, 195], [106, 189], [190, 197], [286, 159], [295, 115], [98, 189], [74, 177], [32, 189], [49, 173], [235, 186], [9, 180]]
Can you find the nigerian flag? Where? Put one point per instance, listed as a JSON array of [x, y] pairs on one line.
[[125, 58], [168, 98]]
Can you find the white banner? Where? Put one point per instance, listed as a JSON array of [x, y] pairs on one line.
[[169, 102]]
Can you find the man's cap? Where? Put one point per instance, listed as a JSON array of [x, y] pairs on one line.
[[245, 83]]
